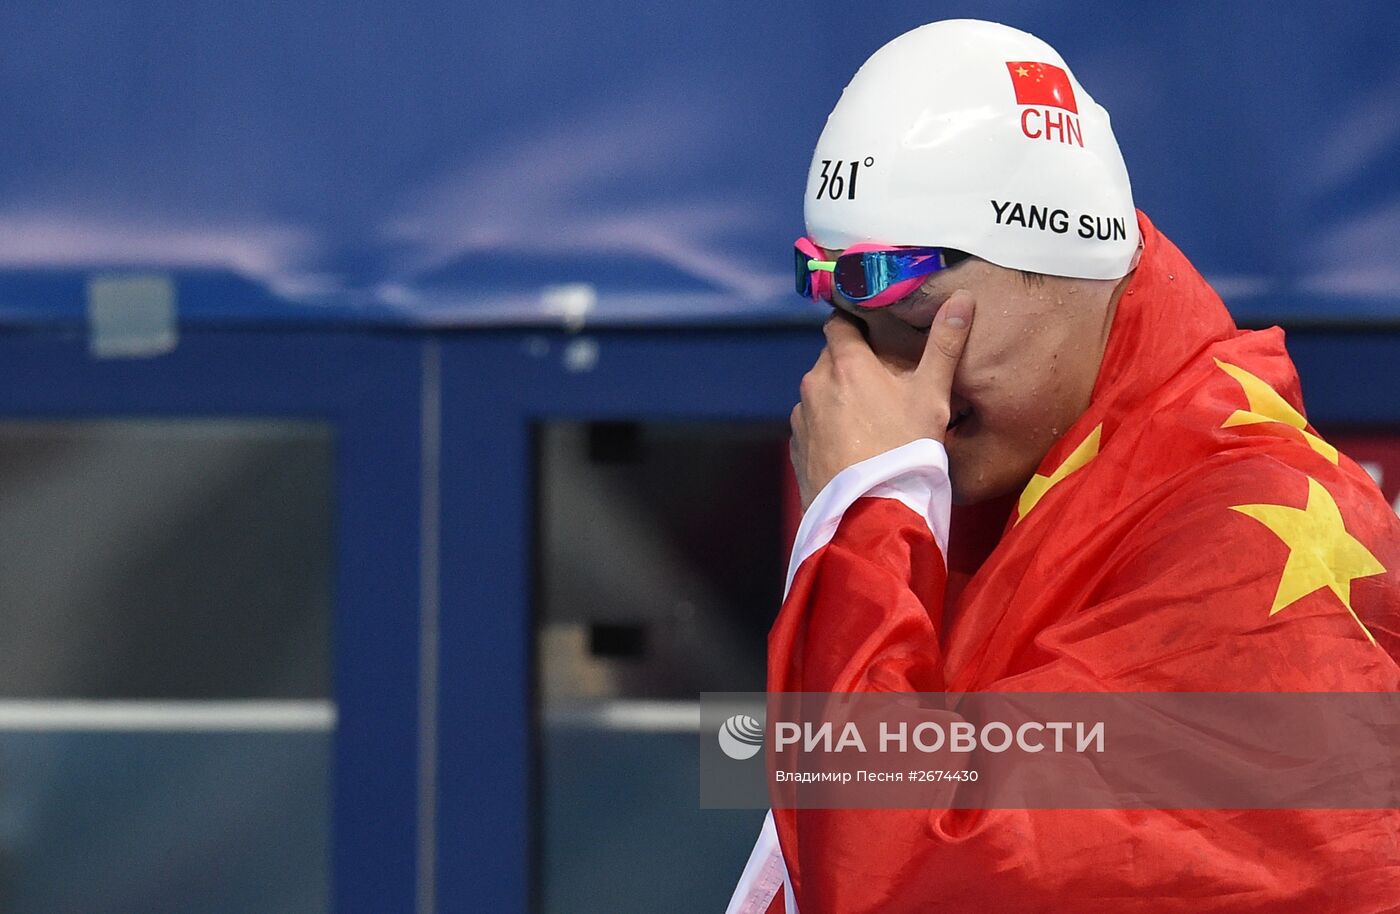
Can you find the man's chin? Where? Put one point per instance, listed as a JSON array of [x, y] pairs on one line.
[[966, 496], [963, 473], [973, 475]]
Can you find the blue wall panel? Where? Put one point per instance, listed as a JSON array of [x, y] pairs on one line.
[[495, 387], [432, 162], [367, 388]]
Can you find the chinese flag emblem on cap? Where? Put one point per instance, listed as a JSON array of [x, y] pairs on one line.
[[1041, 84]]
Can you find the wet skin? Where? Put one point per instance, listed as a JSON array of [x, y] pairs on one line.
[[1025, 374]]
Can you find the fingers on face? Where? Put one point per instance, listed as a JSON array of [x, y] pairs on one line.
[[843, 337], [947, 336]]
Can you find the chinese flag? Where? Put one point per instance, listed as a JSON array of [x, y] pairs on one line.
[[1041, 84], [1190, 532]]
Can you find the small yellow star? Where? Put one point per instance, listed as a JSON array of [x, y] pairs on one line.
[[1321, 553], [1035, 490], [1022, 71], [1266, 405]]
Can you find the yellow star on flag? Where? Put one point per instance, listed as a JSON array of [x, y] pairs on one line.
[[1321, 553], [1022, 71], [1266, 405], [1035, 490]]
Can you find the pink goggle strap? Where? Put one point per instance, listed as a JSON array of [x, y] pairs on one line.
[[819, 281]]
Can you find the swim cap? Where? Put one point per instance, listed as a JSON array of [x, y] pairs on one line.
[[974, 136]]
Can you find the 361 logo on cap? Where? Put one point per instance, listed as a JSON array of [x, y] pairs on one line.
[[1042, 87]]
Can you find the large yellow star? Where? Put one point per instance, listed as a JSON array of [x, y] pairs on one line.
[[1267, 405], [1321, 553]]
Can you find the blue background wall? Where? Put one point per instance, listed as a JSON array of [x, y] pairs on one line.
[[434, 161], [337, 188]]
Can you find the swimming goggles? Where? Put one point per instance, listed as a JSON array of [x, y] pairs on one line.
[[869, 275]]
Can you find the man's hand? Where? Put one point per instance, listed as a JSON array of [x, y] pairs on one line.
[[854, 407]]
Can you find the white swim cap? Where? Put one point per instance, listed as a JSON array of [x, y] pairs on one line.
[[974, 136]]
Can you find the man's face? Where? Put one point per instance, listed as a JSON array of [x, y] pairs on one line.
[[1026, 373]]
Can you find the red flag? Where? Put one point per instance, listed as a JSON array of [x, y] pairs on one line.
[[1153, 551], [1041, 84]]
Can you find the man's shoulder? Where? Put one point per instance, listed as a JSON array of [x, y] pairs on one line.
[[1279, 481]]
